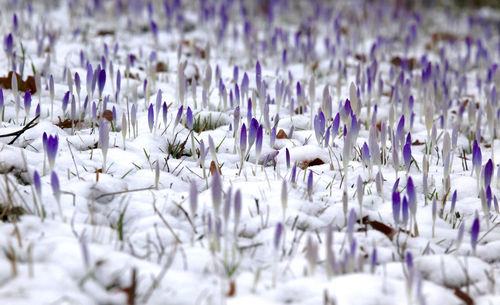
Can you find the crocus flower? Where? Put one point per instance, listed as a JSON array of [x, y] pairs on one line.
[[8, 44], [104, 141], [412, 197], [293, 175], [277, 236], [336, 124], [216, 192], [38, 184], [252, 132], [1, 101], [488, 173], [27, 102], [52, 144], [243, 141], [56, 189], [272, 137], [151, 117], [101, 81], [258, 143], [164, 113], [404, 210], [310, 184], [258, 75], [193, 198], [189, 118], [158, 101], [237, 210], [396, 206], [474, 233], [407, 155], [178, 116], [476, 156]]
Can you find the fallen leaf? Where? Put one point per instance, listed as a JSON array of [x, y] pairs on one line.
[[464, 296], [383, 228], [232, 289], [29, 84], [213, 168], [108, 115], [281, 134], [305, 164]]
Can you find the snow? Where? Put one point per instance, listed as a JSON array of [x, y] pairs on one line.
[[127, 234]]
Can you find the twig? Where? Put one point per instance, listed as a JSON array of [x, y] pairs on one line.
[[177, 239], [18, 133], [123, 192]]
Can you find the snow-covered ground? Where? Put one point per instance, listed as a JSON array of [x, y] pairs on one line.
[[249, 152]]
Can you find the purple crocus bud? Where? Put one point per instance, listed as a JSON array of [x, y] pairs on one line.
[[396, 206], [90, 75], [474, 233], [178, 116], [379, 181], [243, 140], [159, 96], [395, 186], [56, 188], [404, 210], [373, 260], [1, 100], [65, 101], [104, 141], [237, 208], [44, 141], [258, 75], [189, 118], [412, 197], [359, 192], [154, 30], [73, 109], [336, 124], [252, 132], [476, 156], [488, 173], [287, 157], [293, 175], [258, 142], [235, 74], [193, 198], [277, 236], [151, 117], [77, 83], [101, 81], [94, 111], [51, 87], [407, 155], [8, 44], [164, 113], [365, 154], [272, 137], [453, 202], [400, 129], [284, 197], [37, 110], [27, 102], [216, 192], [52, 144], [38, 184], [350, 224], [310, 184]]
